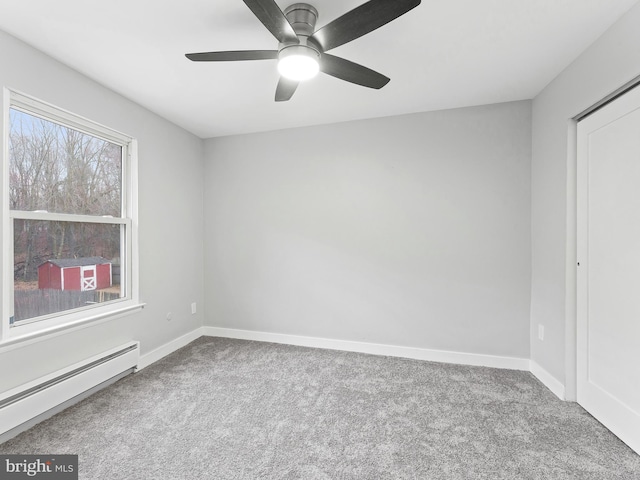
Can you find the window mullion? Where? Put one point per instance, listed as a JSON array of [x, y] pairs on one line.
[[65, 217]]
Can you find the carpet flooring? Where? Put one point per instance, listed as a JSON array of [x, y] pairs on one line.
[[233, 409]]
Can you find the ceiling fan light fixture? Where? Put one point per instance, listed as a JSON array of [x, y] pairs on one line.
[[301, 47], [298, 62]]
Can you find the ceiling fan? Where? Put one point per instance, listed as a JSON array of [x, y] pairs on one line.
[[301, 52]]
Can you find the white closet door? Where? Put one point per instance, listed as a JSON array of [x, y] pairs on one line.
[[609, 266]]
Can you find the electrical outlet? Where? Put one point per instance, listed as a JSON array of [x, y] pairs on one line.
[[540, 332], [193, 308], [169, 316]]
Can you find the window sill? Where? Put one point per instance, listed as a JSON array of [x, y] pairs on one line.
[[19, 340]]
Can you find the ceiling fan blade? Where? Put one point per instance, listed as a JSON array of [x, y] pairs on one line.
[[352, 72], [360, 21], [232, 56], [285, 89], [273, 18]]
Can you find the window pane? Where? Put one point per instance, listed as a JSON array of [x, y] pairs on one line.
[[60, 170], [60, 266]]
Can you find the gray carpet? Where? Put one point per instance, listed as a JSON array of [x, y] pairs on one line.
[[232, 409]]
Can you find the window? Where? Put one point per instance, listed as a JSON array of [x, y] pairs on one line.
[[69, 219]]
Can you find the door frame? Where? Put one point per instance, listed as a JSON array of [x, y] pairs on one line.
[[571, 268]]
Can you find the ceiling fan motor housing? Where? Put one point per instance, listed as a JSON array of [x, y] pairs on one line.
[[302, 18]]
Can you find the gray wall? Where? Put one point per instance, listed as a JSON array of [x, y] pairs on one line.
[[411, 230], [170, 213], [608, 64]]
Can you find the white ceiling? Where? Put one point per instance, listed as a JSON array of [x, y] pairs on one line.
[[443, 54]]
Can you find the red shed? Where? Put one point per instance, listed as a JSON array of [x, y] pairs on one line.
[[89, 273]]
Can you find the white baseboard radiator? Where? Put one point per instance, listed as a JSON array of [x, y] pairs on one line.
[[28, 404]]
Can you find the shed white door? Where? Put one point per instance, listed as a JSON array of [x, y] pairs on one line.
[[608, 340], [88, 279]]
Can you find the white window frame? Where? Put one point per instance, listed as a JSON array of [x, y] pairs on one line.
[[80, 317]]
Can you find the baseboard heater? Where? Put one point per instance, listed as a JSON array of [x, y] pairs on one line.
[[54, 392]]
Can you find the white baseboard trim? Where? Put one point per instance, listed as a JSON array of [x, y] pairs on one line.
[[164, 350], [474, 359], [510, 363], [548, 380]]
